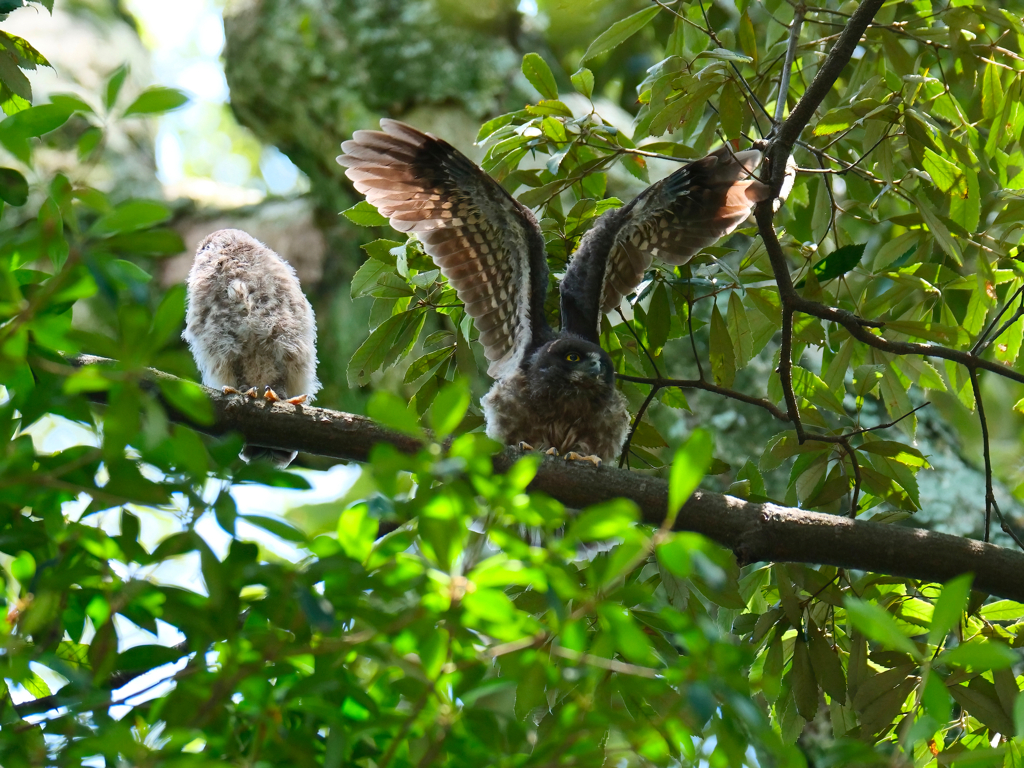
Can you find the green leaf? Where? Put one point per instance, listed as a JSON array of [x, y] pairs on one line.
[[1018, 715], [88, 141], [805, 688], [674, 553], [603, 521], [949, 608], [810, 387], [539, 75], [13, 187], [34, 121], [979, 656], [629, 638], [130, 216], [979, 698], [366, 277], [583, 82], [391, 340], [991, 92], [126, 272], [114, 83], [143, 657], [828, 669], [365, 215], [357, 531], [731, 107], [944, 173], [620, 31], [898, 452], [23, 567], [71, 102], [835, 120], [152, 242], [188, 398], [659, 319], [771, 678], [939, 230], [449, 408], [723, 359], [156, 100], [12, 76], [965, 203], [28, 57], [689, 466], [276, 526], [393, 412], [878, 625], [1002, 610], [936, 699], [839, 262]]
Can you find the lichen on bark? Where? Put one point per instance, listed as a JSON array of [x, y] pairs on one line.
[[304, 75]]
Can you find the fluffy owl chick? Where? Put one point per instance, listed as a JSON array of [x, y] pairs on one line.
[[249, 326]]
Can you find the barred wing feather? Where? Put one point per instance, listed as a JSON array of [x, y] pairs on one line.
[[486, 243]]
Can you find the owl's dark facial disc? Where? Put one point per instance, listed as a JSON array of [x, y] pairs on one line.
[[573, 363]]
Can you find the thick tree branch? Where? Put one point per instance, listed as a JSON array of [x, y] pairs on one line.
[[755, 532]]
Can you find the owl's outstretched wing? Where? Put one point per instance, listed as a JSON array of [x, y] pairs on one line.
[[485, 242], [671, 220]]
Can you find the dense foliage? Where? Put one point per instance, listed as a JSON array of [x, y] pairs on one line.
[[493, 626]]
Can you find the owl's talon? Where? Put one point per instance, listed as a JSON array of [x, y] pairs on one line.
[[551, 452], [251, 392], [525, 446], [573, 456], [297, 400], [271, 395], [230, 391]]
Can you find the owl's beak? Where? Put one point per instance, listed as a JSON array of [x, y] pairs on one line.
[[594, 368]]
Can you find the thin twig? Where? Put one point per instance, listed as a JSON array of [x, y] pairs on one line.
[[650, 357], [855, 497], [635, 424], [989, 494], [893, 423], [787, 67], [709, 387], [693, 340], [612, 665], [785, 371]]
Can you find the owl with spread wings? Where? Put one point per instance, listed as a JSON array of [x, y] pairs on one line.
[[553, 390]]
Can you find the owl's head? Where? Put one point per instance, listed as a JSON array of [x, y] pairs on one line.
[[573, 362]]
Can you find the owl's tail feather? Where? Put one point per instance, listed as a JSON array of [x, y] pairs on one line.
[[279, 458]]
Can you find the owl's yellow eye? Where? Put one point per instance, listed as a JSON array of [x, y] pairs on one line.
[[572, 357]]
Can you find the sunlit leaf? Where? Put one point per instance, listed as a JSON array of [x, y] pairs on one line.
[[156, 100], [619, 32], [539, 75]]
